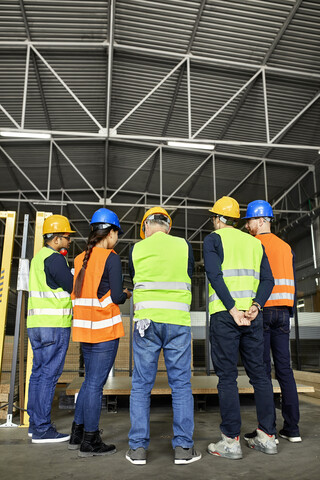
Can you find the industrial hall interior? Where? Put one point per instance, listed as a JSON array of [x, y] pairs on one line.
[[159, 239]]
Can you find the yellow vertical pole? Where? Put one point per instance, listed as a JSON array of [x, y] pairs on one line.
[[38, 243], [5, 273]]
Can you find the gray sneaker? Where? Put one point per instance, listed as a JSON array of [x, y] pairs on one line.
[[182, 456], [226, 447], [263, 442], [138, 456]]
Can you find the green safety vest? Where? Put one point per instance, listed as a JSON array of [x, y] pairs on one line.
[[242, 255], [162, 286], [47, 307]]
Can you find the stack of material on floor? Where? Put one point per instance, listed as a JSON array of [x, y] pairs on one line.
[[4, 398], [72, 363], [7, 359], [121, 365], [308, 378]]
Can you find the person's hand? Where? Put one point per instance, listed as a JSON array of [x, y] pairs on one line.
[[129, 294], [239, 317], [252, 313]]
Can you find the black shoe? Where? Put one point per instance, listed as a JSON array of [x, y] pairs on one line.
[[254, 434], [294, 438], [76, 436], [93, 445]]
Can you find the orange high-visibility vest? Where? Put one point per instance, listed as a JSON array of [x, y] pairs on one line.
[[94, 320], [280, 258]]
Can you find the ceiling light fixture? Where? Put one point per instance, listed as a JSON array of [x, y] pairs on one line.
[[201, 146], [17, 134]]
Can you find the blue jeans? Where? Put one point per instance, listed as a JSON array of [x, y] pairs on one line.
[[98, 361], [276, 323], [49, 347], [227, 340], [175, 340]]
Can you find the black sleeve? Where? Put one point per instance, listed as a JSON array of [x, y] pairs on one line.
[[58, 273], [190, 260], [131, 267], [266, 281], [114, 272], [213, 259]]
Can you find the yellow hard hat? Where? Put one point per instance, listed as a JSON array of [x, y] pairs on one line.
[[227, 207], [153, 211], [56, 224]]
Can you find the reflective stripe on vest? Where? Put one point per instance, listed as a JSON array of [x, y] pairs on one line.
[[281, 262], [284, 281], [47, 307], [235, 294], [95, 320], [91, 302], [163, 286], [49, 294], [281, 296], [109, 322], [163, 304], [242, 255], [241, 272], [50, 311]]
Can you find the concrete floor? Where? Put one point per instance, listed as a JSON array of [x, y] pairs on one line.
[[19, 459]]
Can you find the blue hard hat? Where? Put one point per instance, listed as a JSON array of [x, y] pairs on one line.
[[105, 218], [259, 208]]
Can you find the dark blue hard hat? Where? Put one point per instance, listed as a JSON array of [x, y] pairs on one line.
[[104, 218], [259, 208]]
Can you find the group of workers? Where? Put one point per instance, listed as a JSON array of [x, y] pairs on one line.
[[251, 298]]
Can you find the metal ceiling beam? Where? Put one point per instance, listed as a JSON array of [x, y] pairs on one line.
[[245, 178], [73, 95], [129, 178], [111, 21], [293, 121], [187, 179], [290, 188], [217, 142], [76, 169], [22, 173], [162, 53], [177, 89], [163, 80], [227, 103], [7, 114]]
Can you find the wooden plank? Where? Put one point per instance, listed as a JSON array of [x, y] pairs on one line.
[[200, 385], [4, 387], [306, 377], [4, 397]]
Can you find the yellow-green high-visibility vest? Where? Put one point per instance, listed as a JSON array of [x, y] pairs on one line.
[[47, 307], [242, 255], [162, 286]]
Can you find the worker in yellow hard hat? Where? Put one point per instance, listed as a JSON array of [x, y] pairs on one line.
[[240, 282], [161, 266], [48, 322]]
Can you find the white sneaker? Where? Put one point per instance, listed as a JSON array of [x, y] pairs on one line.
[[227, 447], [263, 442]]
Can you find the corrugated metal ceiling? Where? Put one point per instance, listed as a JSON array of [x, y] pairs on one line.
[[226, 43]]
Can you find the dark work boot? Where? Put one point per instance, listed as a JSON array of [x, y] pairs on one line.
[[76, 436], [93, 445]]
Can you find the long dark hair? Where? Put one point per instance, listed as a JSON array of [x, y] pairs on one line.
[[95, 236]]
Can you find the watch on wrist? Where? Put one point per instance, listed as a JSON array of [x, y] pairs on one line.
[[256, 304]]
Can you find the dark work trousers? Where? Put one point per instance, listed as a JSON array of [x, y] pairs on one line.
[[227, 340], [276, 323]]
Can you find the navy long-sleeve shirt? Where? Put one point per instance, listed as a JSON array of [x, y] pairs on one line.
[[112, 280], [58, 273], [213, 258], [190, 262]]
